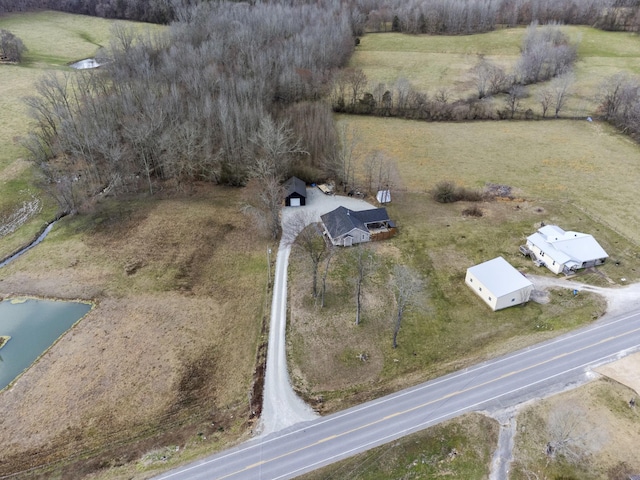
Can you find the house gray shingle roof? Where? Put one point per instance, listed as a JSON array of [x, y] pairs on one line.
[[342, 220]]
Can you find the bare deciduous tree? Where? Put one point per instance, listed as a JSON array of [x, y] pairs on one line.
[[568, 434], [489, 78], [407, 287], [545, 98], [331, 251], [560, 87], [306, 236], [515, 94], [11, 47], [363, 261], [356, 81], [345, 161], [274, 146]]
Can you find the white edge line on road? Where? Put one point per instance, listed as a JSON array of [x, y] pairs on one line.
[[433, 421], [410, 390]]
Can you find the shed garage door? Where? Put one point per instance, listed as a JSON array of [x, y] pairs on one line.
[[295, 202]]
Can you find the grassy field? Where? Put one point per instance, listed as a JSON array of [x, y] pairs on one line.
[[575, 164], [553, 181], [53, 40], [177, 302], [577, 174], [430, 63]]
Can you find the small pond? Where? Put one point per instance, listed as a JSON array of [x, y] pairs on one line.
[[86, 63], [33, 325]]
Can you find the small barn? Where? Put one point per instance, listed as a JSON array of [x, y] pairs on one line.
[[499, 284], [295, 192], [564, 251], [347, 227]]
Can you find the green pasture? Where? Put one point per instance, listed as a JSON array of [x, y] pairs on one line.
[[577, 165], [53, 40], [431, 63]]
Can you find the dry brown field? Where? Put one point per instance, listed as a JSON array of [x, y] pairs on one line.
[[167, 356]]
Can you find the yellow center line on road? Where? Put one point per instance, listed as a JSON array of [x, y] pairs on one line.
[[431, 402]]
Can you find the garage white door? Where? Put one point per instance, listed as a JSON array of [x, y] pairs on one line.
[[295, 202]]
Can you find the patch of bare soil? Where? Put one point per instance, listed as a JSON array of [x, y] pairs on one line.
[[625, 371], [166, 356]]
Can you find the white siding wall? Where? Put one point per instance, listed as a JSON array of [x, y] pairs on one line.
[[481, 290], [550, 263], [357, 236]]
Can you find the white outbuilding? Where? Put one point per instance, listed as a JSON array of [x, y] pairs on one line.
[[499, 284]]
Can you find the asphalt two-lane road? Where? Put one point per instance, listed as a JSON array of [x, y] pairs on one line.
[[533, 372]]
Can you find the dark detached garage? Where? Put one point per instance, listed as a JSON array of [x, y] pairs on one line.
[[296, 192]]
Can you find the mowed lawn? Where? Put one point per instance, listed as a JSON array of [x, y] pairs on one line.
[[431, 63], [53, 40]]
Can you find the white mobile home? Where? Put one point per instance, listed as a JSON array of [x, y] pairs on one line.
[[562, 251], [499, 284]]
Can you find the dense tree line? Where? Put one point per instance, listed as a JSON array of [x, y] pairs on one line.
[[452, 17], [198, 103], [153, 11], [448, 17]]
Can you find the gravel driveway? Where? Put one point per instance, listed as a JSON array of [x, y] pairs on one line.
[[282, 408]]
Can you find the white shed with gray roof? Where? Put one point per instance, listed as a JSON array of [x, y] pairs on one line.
[[499, 284]]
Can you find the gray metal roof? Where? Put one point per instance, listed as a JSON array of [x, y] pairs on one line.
[[499, 276], [295, 185]]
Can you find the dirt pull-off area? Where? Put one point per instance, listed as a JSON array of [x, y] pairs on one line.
[[625, 371]]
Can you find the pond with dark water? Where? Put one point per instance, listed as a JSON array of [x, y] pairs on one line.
[[33, 325]]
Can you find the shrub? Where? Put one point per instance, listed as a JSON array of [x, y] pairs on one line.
[[11, 47], [469, 195], [445, 192]]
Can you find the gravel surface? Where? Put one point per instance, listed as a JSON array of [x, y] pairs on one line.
[[619, 299]]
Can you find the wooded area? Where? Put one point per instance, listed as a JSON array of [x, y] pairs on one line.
[[198, 102], [195, 104]]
